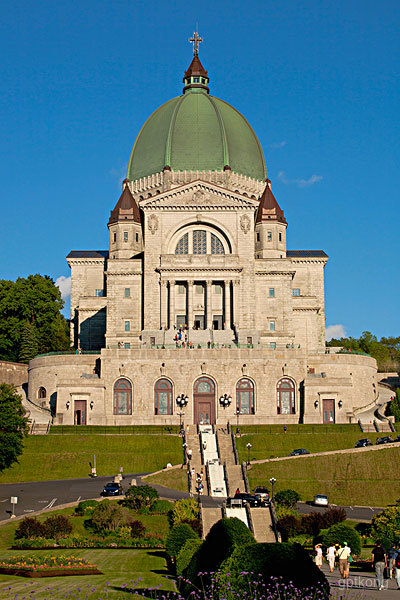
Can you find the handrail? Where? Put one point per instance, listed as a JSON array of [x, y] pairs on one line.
[[234, 448], [201, 450], [244, 475], [226, 480], [223, 510], [376, 425], [249, 519], [228, 428], [208, 479], [218, 448], [184, 446], [274, 520], [189, 473], [32, 427], [48, 427], [360, 424], [201, 516], [392, 427]]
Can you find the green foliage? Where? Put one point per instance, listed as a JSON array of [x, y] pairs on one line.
[[140, 497], [54, 527], [385, 526], [29, 345], [29, 527], [339, 534], [137, 529], [85, 507], [288, 498], [287, 561], [186, 509], [13, 426], [108, 516], [177, 538], [289, 526], [315, 521], [186, 554], [161, 507], [386, 351], [35, 300], [394, 406]]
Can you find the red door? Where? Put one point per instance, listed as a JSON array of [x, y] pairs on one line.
[[328, 411], [80, 412], [204, 401]]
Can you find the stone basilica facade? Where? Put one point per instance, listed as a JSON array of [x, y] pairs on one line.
[[197, 295]]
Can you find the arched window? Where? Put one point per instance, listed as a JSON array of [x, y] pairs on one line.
[[204, 385], [245, 396], [42, 392], [199, 241], [285, 400], [163, 397], [122, 397], [182, 246], [216, 245]]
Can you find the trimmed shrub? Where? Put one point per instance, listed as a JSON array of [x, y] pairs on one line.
[[288, 498], [186, 554], [338, 534], [288, 562], [85, 507], [108, 516], [137, 529], [288, 526], [161, 507], [195, 524], [177, 538], [385, 526], [57, 526], [30, 527], [140, 497], [222, 539], [184, 510]]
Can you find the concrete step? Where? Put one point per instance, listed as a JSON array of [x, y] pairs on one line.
[[239, 513], [262, 522], [209, 516], [235, 479], [39, 428]]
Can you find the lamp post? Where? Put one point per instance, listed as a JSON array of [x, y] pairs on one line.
[[249, 447], [237, 422], [225, 400], [272, 482], [181, 401]]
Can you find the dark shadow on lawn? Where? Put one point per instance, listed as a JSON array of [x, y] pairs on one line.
[[156, 594], [159, 553]]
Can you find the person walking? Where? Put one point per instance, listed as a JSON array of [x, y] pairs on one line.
[[189, 453], [343, 554], [392, 555], [397, 570], [331, 556], [379, 560], [318, 555]]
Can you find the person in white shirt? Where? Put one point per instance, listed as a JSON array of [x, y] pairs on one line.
[[331, 555], [318, 556], [343, 555]]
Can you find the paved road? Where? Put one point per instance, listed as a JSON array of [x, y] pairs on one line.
[[358, 513]]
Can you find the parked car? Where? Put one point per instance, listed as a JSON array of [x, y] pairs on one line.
[[321, 500], [299, 452], [398, 438], [363, 443], [262, 493], [247, 498], [387, 439], [112, 489]]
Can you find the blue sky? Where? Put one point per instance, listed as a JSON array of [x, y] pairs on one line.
[[318, 81]]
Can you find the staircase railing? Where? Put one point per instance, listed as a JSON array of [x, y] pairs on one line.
[[208, 479], [392, 427], [360, 425], [201, 517], [228, 428], [274, 521], [244, 475], [48, 427], [223, 510], [226, 480], [218, 448], [234, 448], [249, 519], [32, 427], [376, 425]]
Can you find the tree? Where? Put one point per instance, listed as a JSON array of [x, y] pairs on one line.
[[140, 497], [385, 526], [341, 534], [386, 351], [109, 516], [186, 509], [13, 426], [288, 498], [394, 406], [35, 300], [29, 346]]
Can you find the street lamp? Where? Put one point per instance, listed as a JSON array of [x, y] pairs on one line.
[[249, 447], [237, 422], [225, 400], [181, 401], [272, 482]]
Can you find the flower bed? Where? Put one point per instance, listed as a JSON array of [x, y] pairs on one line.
[[47, 566], [147, 542]]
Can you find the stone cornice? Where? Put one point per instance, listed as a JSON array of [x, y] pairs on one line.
[[123, 273], [199, 269], [310, 309], [275, 273], [309, 260], [86, 261]]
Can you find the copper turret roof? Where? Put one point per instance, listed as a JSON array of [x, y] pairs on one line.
[[269, 209], [196, 68], [126, 208]]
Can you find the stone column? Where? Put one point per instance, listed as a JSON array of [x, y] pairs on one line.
[[172, 303], [163, 303], [227, 312], [190, 304], [236, 303], [208, 305]]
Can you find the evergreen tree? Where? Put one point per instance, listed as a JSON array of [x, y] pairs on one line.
[[394, 406], [13, 426], [29, 345]]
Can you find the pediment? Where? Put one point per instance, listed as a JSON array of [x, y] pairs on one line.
[[198, 195]]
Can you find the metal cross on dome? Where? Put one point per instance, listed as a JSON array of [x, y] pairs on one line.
[[195, 40]]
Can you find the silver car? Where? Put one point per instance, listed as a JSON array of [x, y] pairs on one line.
[[321, 500]]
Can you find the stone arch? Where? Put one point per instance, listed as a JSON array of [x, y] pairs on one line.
[[245, 396], [204, 400], [285, 396], [163, 396], [122, 396]]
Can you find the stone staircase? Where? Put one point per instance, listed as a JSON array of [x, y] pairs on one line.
[[209, 516], [39, 418], [262, 525]]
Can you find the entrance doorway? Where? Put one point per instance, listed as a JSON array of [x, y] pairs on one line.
[[199, 321], [217, 322], [328, 411], [204, 401], [80, 412], [181, 321]]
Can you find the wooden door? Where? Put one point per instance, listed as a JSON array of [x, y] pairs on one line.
[[80, 412], [328, 411], [204, 401]]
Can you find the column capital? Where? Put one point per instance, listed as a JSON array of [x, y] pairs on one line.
[[164, 283], [208, 282], [190, 283], [172, 282], [236, 282]]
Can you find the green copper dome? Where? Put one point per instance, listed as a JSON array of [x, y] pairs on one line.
[[196, 131]]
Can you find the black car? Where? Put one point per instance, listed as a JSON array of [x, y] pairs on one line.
[[250, 499], [363, 443], [384, 440], [112, 489], [299, 452]]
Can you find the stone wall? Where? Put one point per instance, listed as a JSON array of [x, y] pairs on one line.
[[13, 373]]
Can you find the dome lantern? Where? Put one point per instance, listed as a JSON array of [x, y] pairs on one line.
[[196, 77]]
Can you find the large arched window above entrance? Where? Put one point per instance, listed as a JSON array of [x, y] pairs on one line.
[[204, 385], [163, 397], [285, 397], [122, 397], [201, 241], [245, 396]]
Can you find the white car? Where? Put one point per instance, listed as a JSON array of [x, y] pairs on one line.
[[321, 500]]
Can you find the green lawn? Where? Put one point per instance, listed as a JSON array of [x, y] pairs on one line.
[[68, 456], [176, 479], [364, 478], [272, 445]]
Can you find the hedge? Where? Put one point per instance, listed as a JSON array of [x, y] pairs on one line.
[[177, 538], [185, 555]]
